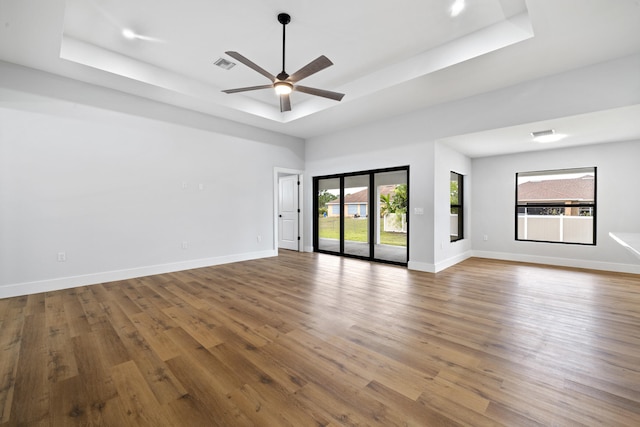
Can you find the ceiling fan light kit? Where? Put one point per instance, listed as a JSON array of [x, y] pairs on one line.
[[283, 83], [283, 88]]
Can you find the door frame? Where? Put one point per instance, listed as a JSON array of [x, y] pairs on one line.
[[373, 202], [277, 174]]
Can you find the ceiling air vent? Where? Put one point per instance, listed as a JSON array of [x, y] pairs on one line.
[[542, 133], [223, 63], [545, 136]]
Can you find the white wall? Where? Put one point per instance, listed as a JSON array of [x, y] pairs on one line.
[[99, 175], [411, 139], [120, 193], [352, 153], [430, 165], [448, 253], [617, 206]]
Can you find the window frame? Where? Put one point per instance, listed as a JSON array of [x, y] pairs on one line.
[[558, 205], [459, 206]]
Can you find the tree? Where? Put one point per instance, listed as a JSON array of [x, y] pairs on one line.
[[396, 203], [386, 206], [323, 198], [453, 193], [400, 199]]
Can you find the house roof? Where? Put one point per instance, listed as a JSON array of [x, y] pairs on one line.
[[582, 188], [362, 196]]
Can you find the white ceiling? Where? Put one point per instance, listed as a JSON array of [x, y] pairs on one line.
[[383, 53], [618, 124]]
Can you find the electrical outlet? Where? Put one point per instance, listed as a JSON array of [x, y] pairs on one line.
[[185, 245], [485, 237], [62, 256]]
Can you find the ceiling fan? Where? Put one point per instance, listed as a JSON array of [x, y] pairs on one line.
[[284, 83]]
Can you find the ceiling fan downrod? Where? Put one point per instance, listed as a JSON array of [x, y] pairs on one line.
[[284, 19]]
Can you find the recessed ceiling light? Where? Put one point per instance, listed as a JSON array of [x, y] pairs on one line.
[[457, 7], [129, 34], [546, 136]]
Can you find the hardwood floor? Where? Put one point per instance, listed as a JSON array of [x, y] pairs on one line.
[[317, 340]]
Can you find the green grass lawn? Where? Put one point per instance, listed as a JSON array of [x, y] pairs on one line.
[[355, 230]]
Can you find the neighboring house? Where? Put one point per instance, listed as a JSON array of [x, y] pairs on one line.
[[356, 204], [567, 191]]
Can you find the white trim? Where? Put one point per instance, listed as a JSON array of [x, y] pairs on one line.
[[440, 266], [443, 265], [421, 266], [19, 289], [534, 259], [562, 262]]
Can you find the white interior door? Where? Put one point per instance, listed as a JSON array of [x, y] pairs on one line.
[[288, 212]]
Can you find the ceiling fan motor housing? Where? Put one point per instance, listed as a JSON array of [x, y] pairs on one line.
[[284, 18]]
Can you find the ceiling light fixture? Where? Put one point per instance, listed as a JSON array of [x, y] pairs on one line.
[[457, 7], [546, 136], [283, 88], [129, 34], [283, 83]]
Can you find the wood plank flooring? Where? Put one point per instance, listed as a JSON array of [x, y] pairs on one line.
[[318, 340]]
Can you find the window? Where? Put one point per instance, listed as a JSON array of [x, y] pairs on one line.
[[455, 195], [557, 206]]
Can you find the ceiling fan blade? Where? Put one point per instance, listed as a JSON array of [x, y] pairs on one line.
[[319, 92], [251, 64], [318, 64], [285, 103], [245, 89]]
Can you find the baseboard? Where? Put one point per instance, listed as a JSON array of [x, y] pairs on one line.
[[421, 266], [562, 262], [439, 266], [443, 265], [27, 288]]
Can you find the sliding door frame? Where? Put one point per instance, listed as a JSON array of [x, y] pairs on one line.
[[374, 221]]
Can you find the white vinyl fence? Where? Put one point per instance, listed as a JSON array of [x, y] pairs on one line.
[[396, 223], [556, 228], [453, 225]]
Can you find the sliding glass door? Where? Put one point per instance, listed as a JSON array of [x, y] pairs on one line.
[[392, 198], [328, 219], [356, 216], [363, 214]]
